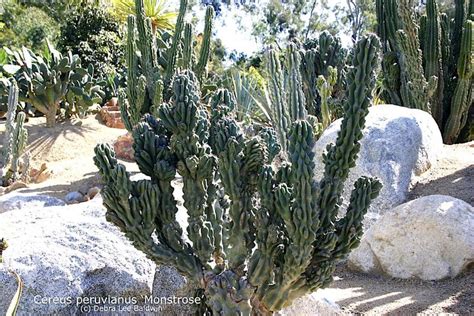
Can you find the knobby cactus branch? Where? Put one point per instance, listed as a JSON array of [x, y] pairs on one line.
[[258, 236]]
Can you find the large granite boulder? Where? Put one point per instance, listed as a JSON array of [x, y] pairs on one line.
[[398, 144], [69, 253], [429, 238]]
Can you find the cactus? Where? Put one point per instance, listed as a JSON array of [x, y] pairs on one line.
[[273, 235], [84, 92], [316, 58], [15, 141], [428, 61], [46, 81], [152, 61], [325, 88], [287, 96]]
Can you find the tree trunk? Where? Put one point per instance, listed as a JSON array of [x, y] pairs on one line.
[[51, 117]]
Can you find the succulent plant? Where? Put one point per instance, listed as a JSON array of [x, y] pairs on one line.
[[85, 92], [153, 60], [15, 138], [428, 61], [274, 235], [45, 81]]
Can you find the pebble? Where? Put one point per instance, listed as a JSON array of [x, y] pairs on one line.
[[74, 197], [93, 192]]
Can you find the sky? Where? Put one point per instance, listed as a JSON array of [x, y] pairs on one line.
[[238, 36]]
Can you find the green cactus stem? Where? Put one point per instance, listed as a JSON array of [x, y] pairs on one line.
[[422, 57], [258, 236]]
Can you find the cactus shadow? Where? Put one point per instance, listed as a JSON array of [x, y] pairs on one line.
[[41, 138], [376, 295]]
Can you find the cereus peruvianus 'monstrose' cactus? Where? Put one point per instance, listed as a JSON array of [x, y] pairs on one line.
[[258, 235]]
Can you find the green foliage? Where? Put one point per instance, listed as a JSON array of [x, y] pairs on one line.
[[249, 91], [318, 55], [15, 138], [44, 83], [160, 16], [428, 61], [274, 236], [26, 26], [303, 83], [325, 89], [153, 61], [84, 92], [93, 35]]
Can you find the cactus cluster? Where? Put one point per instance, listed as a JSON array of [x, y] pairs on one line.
[[153, 60], [46, 81], [15, 140], [85, 91], [428, 61], [318, 56], [258, 235]]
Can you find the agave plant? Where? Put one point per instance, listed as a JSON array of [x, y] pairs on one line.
[[157, 10]]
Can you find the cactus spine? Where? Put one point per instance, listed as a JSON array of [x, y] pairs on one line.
[[153, 61], [443, 86], [275, 236]]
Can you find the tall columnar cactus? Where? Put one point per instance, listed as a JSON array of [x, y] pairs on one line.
[[15, 138], [286, 93], [428, 60], [316, 57], [274, 234], [325, 88], [152, 61]]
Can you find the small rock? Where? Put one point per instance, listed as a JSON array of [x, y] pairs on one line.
[[123, 147], [15, 186], [93, 192], [74, 197]]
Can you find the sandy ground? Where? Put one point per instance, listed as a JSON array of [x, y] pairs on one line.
[[68, 149], [359, 293], [452, 175]]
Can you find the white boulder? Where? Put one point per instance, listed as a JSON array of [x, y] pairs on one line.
[[16, 201], [398, 144], [65, 253], [429, 238]]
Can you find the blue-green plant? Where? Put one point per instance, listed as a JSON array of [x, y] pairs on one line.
[[152, 61], [428, 61], [15, 138], [274, 234], [317, 55], [45, 81], [84, 92]]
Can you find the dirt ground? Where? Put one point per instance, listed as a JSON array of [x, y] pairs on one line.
[[68, 148], [452, 175], [359, 293]]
